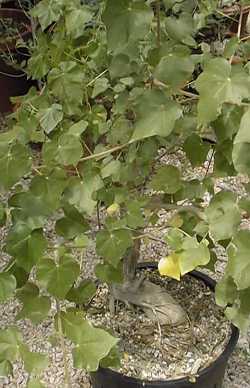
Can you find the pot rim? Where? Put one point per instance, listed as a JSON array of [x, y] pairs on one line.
[[19, 15], [211, 283]]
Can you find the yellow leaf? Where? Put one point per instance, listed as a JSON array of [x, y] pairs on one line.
[[169, 266], [176, 221], [113, 209]]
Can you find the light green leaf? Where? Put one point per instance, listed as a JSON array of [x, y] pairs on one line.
[[226, 291], [223, 215], [174, 70], [33, 362], [241, 157], [47, 12], [239, 260], [35, 383], [127, 22], [75, 21], [6, 368], [80, 193], [92, 344], [156, 115], [69, 150], [65, 82], [167, 179], [35, 307], [239, 313], [219, 83], [100, 86], [58, 278], [15, 161], [78, 128], [9, 343], [7, 286], [193, 255], [112, 245], [25, 245], [49, 118]]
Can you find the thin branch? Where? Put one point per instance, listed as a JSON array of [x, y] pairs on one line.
[[62, 341], [103, 154], [239, 29], [158, 19]]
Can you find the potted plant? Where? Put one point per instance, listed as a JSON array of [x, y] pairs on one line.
[[125, 84], [15, 30]]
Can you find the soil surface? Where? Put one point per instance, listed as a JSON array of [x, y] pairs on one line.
[[152, 352]]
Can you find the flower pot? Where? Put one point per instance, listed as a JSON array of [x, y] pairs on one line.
[[13, 82], [210, 377]]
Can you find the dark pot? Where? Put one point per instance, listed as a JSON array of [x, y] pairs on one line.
[[210, 377], [13, 82]]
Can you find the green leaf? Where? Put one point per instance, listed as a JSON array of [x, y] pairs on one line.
[[239, 260], [35, 383], [193, 255], [58, 278], [20, 275], [9, 343], [239, 313], [226, 291], [33, 362], [112, 245], [78, 128], [174, 70], [241, 148], [127, 22], [241, 157], [92, 344], [2, 215], [65, 82], [108, 274], [80, 192], [134, 216], [83, 293], [49, 118], [167, 179], [100, 86], [111, 168], [48, 12], [181, 29], [156, 115], [15, 161], [35, 307], [7, 286], [25, 245], [72, 225], [6, 368], [243, 135], [196, 150], [112, 360], [75, 21], [69, 150], [223, 215], [219, 83]]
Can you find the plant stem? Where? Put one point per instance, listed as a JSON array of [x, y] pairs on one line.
[[103, 154], [158, 20], [62, 341]]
